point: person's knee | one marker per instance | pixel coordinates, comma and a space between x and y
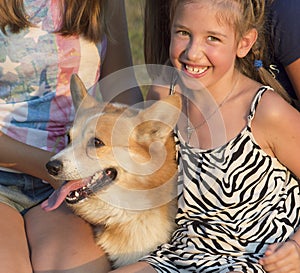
14, 252
60, 240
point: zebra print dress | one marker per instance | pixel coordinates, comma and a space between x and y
234, 201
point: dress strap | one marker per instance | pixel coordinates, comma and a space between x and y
256, 100
174, 79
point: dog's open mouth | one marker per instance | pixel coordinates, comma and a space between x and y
77, 190
94, 184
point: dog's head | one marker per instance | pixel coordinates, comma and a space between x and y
114, 144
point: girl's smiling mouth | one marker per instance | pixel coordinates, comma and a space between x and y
194, 70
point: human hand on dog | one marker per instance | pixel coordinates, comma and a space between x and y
282, 258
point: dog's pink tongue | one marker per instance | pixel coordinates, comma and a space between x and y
59, 195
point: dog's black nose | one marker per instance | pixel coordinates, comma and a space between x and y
54, 167
111, 173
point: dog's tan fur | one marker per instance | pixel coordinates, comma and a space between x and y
135, 212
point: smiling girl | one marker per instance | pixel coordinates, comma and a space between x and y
238, 205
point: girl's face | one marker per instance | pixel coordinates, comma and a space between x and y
202, 47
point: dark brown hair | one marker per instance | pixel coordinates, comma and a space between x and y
157, 22
79, 17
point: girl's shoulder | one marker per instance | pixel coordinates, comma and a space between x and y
274, 124
275, 117
272, 107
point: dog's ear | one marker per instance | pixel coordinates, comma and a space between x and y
157, 121
80, 96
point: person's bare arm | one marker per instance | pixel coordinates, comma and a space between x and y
24, 158
279, 123
278, 126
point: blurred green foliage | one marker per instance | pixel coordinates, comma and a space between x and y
135, 18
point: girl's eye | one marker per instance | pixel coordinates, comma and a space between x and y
183, 33
213, 39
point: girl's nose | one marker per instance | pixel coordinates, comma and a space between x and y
194, 51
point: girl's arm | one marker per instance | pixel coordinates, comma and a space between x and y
278, 124
26, 159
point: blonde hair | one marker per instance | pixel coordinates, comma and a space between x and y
79, 17
245, 15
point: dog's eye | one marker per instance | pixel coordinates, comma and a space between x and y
96, 142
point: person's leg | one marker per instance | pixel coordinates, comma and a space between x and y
140, 267
62, 242
14, 253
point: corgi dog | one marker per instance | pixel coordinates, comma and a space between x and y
120, 173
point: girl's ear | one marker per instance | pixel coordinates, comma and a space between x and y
246, 43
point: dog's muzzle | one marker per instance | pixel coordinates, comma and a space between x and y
77, 190
96, 183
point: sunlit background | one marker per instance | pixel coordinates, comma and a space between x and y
135, 17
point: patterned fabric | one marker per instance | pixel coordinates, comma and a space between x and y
234, 201
35, 69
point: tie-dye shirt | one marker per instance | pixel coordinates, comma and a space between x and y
35, 69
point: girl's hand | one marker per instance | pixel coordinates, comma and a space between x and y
282, 258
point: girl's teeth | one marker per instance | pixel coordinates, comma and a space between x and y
195, 70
